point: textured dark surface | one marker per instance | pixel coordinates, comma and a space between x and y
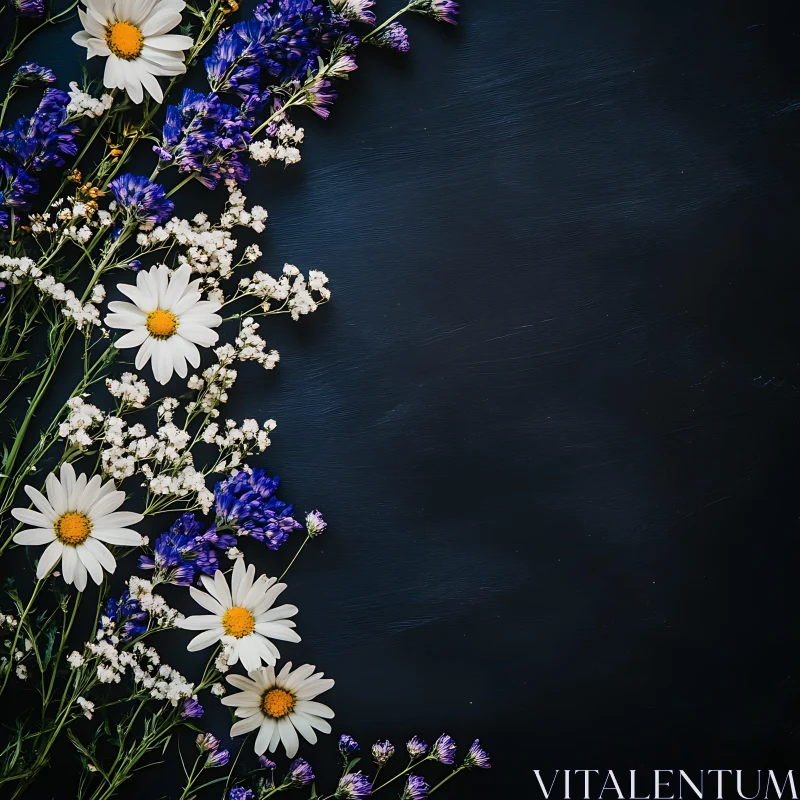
551, 414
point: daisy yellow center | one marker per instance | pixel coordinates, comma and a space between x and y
238, 622
73, 528
161, 324
124, 40
277, 703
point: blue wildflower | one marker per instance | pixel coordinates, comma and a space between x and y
184, 551
31, 73
19, 189
240, 793
300, 773
444, 749
191, 709
394, 37
382, 752
416, 747
319, 96
126, 616
34, 9
416, 788
43, 139
144, 201
348, 746
247, 503
265, 763
477, 757
354, 786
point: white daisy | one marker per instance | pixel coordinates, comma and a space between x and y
167, 320
74, 520
242, 616
132, 35
280, 705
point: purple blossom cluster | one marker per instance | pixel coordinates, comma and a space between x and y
247, 502
245, 505
142, 200
128, 618
33, 145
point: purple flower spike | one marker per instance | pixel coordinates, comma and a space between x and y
33, 9
266, 763
444, 749
219, 758
477, 757
395, 37
240, 793
416, 788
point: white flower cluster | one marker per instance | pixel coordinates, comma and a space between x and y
208, 248
87, 706
291, 290
129, 390
155, 605
82, 416
16, 270
283, 147
161, 681
82, 104
8, 621
83, 315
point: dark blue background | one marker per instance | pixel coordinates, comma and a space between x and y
551, 414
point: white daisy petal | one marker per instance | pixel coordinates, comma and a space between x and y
90, 562
40, 501
203, 640
69, 562
206, 601
31, 517
245, 725
121, 536
201, 622
101, 553
50, 557
35, 536
288, 736
264, 734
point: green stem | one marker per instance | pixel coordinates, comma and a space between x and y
444, 781
299, 550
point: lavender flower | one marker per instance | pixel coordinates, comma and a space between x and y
348, 746
247, 503
416, 747
444, 749
444, 11
31, 73
144, 201
266, 763
354, 786
355, 10
394, 37
217, 758
477, 757
315, 525
416, 788
300, 773
206, 742
191, 709
240, 793
382, 752
34, 9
